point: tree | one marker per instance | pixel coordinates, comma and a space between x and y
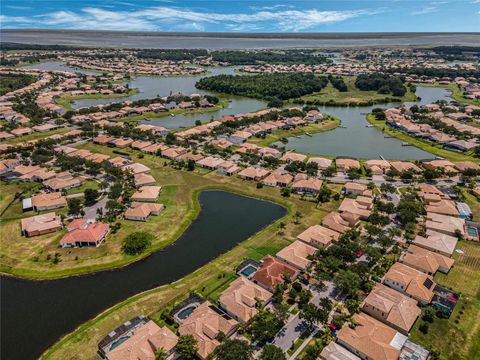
347, 281
187, 347
265, 326
233, 350
74, 206
275, 103
137, 242
428, 314
91, 195
313, 314
272, 352
324, 194
160, 354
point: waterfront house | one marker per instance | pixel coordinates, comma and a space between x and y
272, 273
308, 186
84, 233
140, 211
240, 299
253, 173
297, 254
391, 307
322, 163
345, 164
144, 343
278, 178
291, 156
147, 193
41, 224
205, 324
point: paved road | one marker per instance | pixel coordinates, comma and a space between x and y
91, 211
296, 326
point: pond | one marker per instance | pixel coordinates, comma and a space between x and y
37, 313
353, 139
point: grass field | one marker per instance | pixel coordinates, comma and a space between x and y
352, 96
36, 135
298, 131
65, 101
437, 150
459, 336
89, 184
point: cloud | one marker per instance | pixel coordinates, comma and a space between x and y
16, 7
425, 10
168, 18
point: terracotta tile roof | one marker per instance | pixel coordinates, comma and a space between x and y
434, 241
144, 179
41, 223
415, 283
371, 338
240, 298
205, 323
136, 168
147, 193
54, 199
334, 351
278, 178
271, 272
445, 224
297, 254
319, 236
391, 306
340, 222
144, 343
354, 207
141, 211
86, 232
426, 260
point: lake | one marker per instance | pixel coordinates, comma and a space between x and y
356, 140
35, 314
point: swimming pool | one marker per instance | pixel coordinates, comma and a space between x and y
184, 313
118, 342
472, 231
248, 270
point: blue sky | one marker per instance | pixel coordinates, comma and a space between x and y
244, 15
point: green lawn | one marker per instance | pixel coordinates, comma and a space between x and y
459, 336
437, 150
353, 96
65, 101
88, 184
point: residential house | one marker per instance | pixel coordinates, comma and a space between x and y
140, 211
370, 339
334, 351
253, 173
425, 260
278, 178
205, 324
340, 222
437, 242
309, 186
391, 307
240, 299
272, 273
148, 193
41, 224
297, 254
48, 201
319, 236
84, 233
410, 281
145, 343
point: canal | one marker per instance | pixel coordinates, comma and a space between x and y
34, 314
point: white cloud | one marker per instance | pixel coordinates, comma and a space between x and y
166, 18
425, 10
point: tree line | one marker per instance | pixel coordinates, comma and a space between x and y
271, 57
382, 83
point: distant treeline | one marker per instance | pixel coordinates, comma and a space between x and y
16, 46
270, 57
172, 54
382, 83
456, 50
265, 86
14, 81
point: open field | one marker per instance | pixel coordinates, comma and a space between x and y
65, 101
279, 134
459, 336
31, 257
89, 184
437, 150
353, 96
